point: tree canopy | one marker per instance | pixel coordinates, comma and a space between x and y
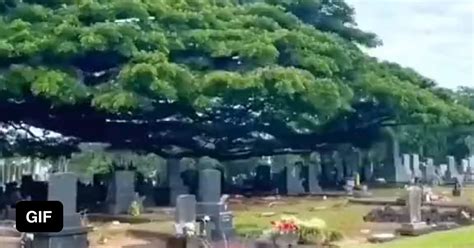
220, 78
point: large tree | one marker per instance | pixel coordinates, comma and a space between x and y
222, 78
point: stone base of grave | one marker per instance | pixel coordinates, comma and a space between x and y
414, 229
69, 237
457, 192
222, 221
72, 235
361, 194
443, 226
381, 238
9, 237
10, 213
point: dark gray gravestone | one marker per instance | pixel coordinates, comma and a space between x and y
175, 182
63, 187
121, 192
209, 185
314, 169
338, 163
327, 169
263, 178
294, 184
393, 169
352, 161
368, 170
221, 220
185, 209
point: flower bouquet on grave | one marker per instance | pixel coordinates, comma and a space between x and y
285, 233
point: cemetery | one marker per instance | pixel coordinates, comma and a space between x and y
122, 206
230, 123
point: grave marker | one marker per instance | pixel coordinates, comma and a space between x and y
416, 166
452, 172
185, 214
121, 192
314, 169
63, 187
294, 184
415, 226
430, 172
175, 182
210, 204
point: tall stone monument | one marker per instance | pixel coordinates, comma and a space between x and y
416, 226
416, 166
175, 182
63, 187
120, 192
314, 169
210, 204
452, 172
294, 185
393, 168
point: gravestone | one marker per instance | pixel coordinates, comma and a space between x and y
314, 169
452, 172
339, 167
416, 166
209, 185
294, 184
327, 169
367, 170
121, 192
63, 187
470, 169
443, 170
414, 201
465, 165
471, 162
401, 166
406, 161
149, 194
185, 213
393, 169
430, 172
210, 204
175, 182
352, 162
263, 178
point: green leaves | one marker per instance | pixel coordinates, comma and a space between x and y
116, 101
294, 64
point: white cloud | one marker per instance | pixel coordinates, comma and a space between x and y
435, 37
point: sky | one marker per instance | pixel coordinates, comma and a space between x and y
435, 37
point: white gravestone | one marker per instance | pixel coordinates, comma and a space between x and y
416, 165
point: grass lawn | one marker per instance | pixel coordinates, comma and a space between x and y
347, 218
459, 238
338, 214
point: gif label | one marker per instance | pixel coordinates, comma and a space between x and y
39, 216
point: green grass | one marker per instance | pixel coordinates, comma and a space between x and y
336, 213
459, 238
346, 218
340, 216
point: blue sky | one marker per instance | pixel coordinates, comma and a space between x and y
435, 37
